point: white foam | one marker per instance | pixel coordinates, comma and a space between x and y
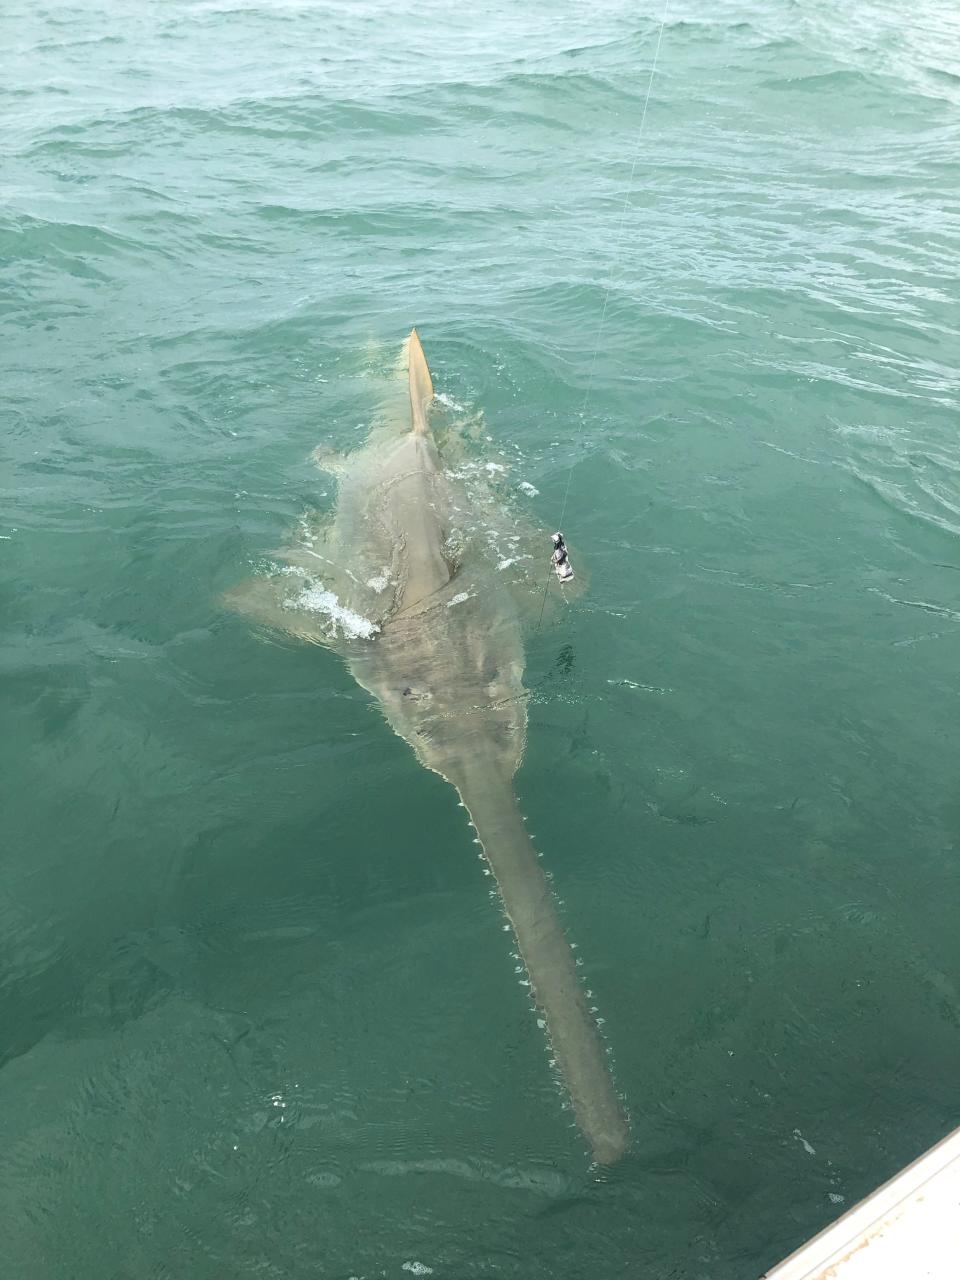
493, 467
441, 397
632, 684
380, 581
417, 1268
528, 488
811, 1151
316, 599
458, 599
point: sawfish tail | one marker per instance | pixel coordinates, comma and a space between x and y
549, 961
421, 384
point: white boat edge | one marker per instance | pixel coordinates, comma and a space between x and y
908, 1229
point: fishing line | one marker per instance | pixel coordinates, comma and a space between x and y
607, 290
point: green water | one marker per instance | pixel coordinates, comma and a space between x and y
258, 1015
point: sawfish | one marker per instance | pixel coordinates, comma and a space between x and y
403, 584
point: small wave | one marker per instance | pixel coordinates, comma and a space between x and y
75, 246
817, 82
556, 100
896, 496
925, 605
943, 75
64, 46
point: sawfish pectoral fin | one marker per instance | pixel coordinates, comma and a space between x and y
316, 556
307, 591
269, 601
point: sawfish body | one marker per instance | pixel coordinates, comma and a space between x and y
403, 585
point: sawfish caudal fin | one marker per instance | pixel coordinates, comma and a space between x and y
548, 959
421, 384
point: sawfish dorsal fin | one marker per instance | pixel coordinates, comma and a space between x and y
421, 384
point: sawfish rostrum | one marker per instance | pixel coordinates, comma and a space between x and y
403, 586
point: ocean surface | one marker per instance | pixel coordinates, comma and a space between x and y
258, 1014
